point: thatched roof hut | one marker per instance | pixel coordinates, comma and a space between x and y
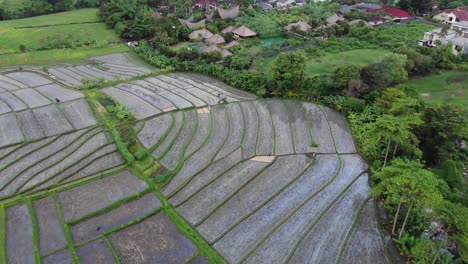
196, 25
300, 25
216, 39
224, 53
232, 44
204, 33
209, 16
244, 32
334, 19
229, 13
228, 29
184, 21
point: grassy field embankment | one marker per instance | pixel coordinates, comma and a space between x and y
65, 36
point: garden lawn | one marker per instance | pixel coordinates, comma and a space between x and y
76, 16
54, 30
57, 56
447, 87
327, 63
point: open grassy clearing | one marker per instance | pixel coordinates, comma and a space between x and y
446, 87
84, 15
327, 63
244, 178
52, 31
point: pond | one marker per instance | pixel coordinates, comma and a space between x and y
268, 42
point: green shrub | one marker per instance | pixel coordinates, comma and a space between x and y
121, 146
22, 48
451, 175
353, 104
164, 177
141, 154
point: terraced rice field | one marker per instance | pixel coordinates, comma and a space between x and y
260, 181
119, 66
247, 181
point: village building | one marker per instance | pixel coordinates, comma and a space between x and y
215, 39
229, 13
450, 16
457, 36
332, 20
244, 32
303, 26
202, 33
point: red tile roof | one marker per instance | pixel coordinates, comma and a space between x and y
461, 15
392, 11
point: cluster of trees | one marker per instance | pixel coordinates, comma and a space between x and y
42, 7
418, 182
444, 4
414, 150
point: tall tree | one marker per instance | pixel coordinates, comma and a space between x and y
444, 127
405, 184
288, 72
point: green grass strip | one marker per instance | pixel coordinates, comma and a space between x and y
66, 231
317, 219
3, 235
112, 249
109, 207
176, 136
35, 226
163, 137
351, 230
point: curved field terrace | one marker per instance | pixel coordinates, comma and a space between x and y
255, 181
